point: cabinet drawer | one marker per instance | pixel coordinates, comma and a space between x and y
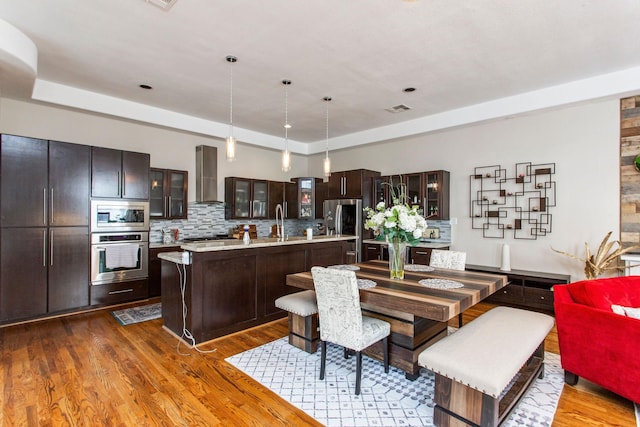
119, 292
371, 252
512, 294
538, 298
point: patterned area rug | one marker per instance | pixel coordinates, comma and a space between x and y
385, 400
139, 314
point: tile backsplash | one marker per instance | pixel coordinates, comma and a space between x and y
208, 219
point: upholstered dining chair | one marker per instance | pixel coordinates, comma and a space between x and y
341, 319
453, 260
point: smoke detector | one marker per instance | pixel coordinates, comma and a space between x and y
398, 108
162, 4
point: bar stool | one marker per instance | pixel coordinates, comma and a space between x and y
303, 319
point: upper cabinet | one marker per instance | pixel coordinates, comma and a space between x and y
168, 191
44, 183
245, 198
119, 174
429, 190
284, 194
305, 196
437, 188
353, 184
413, 187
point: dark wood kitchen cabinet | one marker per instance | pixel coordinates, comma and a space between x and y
353, 184
68, 268
413, 184
44, 183
436, 185
245, 198
372, 251
23, 273
119, 174
24, 185
168, 191
44, 205
155, 268
276, 196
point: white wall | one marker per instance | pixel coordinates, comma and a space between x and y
583, 141
168, 148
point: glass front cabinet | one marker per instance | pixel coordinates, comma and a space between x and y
306, 197
167, 194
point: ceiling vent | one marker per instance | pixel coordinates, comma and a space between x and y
398, 108
162, 4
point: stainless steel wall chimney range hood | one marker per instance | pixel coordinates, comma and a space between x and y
207, 174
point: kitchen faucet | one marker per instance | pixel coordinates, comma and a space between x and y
280, 228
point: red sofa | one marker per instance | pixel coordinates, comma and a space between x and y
596, 343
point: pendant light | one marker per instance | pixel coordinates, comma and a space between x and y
286, 156
231, 141
327, 161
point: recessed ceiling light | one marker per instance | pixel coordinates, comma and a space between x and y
146, 86
409, 89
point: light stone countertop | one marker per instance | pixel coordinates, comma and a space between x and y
175, 257
428, 245
223, 245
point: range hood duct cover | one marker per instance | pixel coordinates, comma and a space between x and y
206, 174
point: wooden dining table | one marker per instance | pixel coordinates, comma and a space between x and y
418, 314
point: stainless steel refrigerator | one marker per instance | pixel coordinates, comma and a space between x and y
344, 217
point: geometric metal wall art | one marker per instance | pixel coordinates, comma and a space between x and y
519, 203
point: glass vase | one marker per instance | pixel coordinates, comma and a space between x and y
397, 258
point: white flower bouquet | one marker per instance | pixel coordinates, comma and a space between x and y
400, 222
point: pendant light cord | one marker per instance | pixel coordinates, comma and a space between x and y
231, 99
327, 99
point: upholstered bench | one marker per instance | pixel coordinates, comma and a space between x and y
303, 319
484, 368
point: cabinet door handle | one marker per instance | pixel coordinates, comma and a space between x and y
169, 213
124, 190
120, 292
119, 183
421, 253
51, 203
51, 248
44, 248
44, 206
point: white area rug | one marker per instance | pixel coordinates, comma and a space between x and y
385, 400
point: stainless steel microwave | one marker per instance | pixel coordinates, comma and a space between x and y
119, 215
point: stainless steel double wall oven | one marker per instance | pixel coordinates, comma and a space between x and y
119, 241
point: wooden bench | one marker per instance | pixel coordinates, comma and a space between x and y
483, 369
303, 319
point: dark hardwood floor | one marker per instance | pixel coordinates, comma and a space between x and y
88, 370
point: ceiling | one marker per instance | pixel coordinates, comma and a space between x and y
469, 60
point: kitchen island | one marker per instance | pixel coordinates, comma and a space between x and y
227, 286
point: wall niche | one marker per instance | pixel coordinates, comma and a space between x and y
519, 204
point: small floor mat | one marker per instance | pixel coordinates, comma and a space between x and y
139, 314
